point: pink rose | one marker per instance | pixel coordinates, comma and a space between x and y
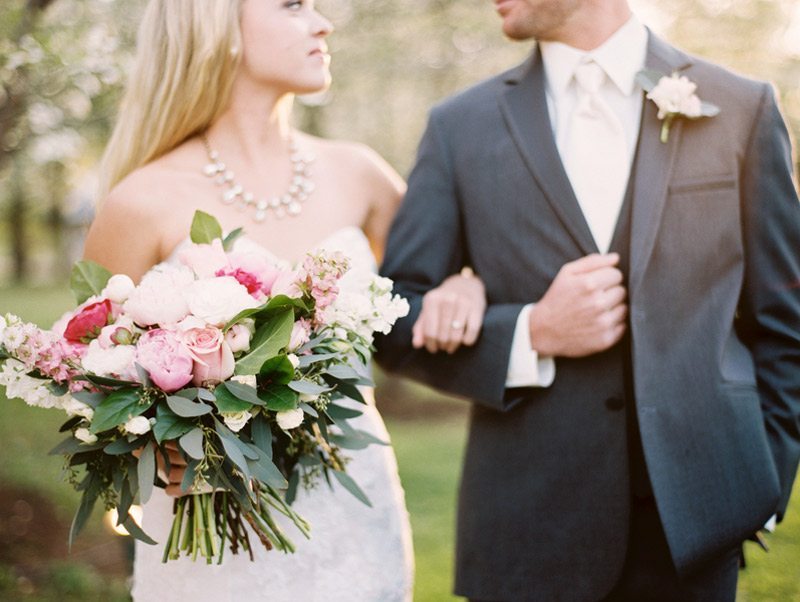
88, 322
165, 358
213, 367
202, 340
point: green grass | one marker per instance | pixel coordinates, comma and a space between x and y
429, 452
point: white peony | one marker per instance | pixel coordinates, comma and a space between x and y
137, 426
160, 298
83, 434
115, 361
289, 419
236, 420
217, 300
118, 288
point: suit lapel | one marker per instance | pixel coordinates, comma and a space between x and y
654, 164
524, 106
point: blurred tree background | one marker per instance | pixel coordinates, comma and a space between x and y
62, 66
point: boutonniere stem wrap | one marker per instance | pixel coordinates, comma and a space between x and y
675, 97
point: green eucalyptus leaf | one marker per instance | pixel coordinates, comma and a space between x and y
205, 228
648, 79
136, 531
262, 434
87, 279
265, 471
169, 425
186, 408
308, 388
243, 392
348, 483
146, 471
192, 443
230, 239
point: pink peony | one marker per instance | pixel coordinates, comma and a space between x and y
204, 260
165, 358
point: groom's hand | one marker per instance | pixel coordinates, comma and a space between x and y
583, 312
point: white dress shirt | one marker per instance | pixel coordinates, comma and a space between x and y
622, 56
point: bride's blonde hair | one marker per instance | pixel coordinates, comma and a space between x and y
188, 52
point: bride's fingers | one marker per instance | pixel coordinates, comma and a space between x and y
418, 332
457, 324
474, 323
448, 307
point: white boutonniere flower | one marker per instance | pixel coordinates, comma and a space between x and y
674, 96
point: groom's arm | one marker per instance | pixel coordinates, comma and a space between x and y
425, 246
770, 306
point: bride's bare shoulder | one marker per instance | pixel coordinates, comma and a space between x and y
160, 184
356, 159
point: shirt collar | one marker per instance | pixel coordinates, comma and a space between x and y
621, 56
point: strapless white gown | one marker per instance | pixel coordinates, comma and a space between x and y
355, 554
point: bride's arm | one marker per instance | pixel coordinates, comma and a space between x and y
452, 313
124, 236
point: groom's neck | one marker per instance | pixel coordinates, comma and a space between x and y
591, 25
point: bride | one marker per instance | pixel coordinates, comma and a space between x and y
205, 125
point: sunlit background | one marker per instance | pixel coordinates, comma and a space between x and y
62, 66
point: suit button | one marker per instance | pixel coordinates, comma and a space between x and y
615, 403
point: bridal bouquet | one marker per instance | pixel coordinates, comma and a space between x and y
232, 361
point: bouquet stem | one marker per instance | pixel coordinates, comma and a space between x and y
204, 524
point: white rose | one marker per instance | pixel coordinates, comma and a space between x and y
675, 95
118, 288
73, 407
289, 419
137, 426
114, 361
217, 300
294, 360
83, 434
246, 379
236, 420
160, 297
239, 335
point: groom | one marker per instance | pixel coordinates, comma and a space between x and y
636, 386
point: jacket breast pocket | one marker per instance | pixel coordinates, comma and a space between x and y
703, 184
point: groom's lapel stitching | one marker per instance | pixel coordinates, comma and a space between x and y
524, 107
654, 164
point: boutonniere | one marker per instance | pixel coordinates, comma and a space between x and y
674, 96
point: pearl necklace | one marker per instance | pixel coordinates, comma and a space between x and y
289, 203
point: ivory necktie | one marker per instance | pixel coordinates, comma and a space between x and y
595, 155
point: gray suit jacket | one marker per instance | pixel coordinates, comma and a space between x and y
714, 293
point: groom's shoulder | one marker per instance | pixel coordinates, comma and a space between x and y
720, 85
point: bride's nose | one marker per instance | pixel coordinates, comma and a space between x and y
321, 26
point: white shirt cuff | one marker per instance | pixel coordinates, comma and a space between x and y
525, 367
